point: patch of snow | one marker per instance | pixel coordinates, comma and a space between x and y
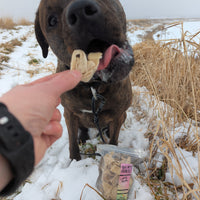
17, 33
175, 32
187, 168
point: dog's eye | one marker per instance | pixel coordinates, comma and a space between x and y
52, 21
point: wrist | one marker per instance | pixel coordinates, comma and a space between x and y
20, 113
13, 108
5, 172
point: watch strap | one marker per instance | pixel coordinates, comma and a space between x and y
16, 145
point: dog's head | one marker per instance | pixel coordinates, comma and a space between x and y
89, 25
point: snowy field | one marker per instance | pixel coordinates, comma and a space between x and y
59, 178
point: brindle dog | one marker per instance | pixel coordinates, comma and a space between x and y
92, 26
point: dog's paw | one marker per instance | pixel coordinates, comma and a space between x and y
87, 66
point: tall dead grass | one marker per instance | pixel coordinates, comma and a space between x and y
24, 22
8, 47
9, 23
171, 73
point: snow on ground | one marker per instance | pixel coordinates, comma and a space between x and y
18, 32
57, 177
137, 32
134, 37
175, 32
169, 31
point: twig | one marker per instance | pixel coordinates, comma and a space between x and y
87, 185
5, 65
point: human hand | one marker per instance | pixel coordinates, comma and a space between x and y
34, 105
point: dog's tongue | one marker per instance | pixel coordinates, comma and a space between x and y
111, 52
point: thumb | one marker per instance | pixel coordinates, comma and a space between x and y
60, 82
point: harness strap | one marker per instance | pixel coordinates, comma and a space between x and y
97, 97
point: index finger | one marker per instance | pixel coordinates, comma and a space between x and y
62, 82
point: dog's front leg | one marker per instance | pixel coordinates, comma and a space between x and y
114, 129
72, 126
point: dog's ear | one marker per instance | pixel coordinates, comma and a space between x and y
40, 37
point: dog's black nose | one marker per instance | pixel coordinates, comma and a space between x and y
80, 13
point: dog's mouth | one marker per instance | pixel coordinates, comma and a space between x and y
110, 53
116, 61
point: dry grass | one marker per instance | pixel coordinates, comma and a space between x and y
171, 73
24, 22
9, 23
4, 59
8, 47
50, 67
33, 61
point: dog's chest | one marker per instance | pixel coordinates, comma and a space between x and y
81, 99
85, 103
111, 101
96, 104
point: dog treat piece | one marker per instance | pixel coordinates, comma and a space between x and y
109, 173
95, 57
86, 66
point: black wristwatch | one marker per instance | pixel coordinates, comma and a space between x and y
16, 145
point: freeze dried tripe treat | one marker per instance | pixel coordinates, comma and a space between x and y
109, 173
87, 67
